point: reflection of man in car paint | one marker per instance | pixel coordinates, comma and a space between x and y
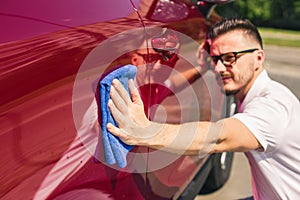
152, 75
76, 174
157, 82
159, 78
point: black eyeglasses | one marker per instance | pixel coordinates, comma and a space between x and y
230, 57
154, 57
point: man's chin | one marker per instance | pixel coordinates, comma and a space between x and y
230, 92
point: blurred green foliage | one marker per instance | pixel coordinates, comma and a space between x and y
280, 37
269, 13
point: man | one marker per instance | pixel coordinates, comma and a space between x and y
158, 79
266, 127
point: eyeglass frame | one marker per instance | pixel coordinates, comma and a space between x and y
215, 59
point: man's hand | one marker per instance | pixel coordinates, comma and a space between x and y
134, 127
202, 56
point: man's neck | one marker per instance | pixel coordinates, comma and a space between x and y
240, 96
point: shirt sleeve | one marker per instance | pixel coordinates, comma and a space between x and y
266, 118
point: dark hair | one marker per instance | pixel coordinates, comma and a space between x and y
227, 25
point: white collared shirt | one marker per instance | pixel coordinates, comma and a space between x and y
272, 114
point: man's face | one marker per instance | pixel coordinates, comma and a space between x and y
236, 71
152, 68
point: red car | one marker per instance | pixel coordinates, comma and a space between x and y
53, 54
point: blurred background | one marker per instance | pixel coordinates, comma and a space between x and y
283, 14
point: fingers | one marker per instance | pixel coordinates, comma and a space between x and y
117, 102
120, 101
114, 130
118, 116
121, 91
120, 134
135, 95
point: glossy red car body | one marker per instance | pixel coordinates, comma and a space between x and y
43, 46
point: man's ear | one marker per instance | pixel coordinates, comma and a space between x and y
260, 58
134, 58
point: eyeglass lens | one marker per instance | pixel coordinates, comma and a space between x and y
226, 59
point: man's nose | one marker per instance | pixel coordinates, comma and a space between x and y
219, 66
157, 64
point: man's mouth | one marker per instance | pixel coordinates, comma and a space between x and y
225, 78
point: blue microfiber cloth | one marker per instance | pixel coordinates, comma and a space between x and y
115, 150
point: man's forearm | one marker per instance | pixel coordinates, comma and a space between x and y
194, 138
